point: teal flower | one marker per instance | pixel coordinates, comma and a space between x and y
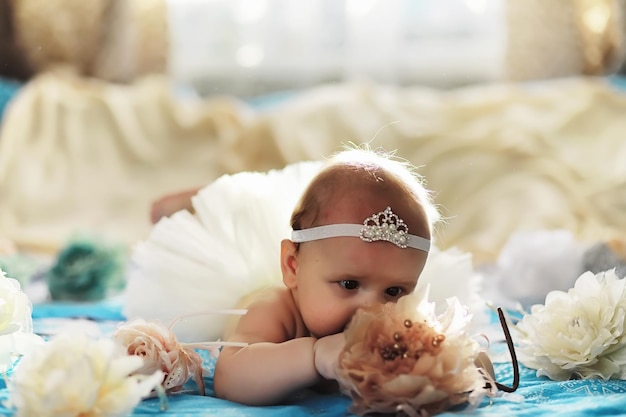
86, 270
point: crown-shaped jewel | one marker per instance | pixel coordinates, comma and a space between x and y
386, 226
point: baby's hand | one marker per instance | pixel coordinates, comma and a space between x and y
326, 353
171, 203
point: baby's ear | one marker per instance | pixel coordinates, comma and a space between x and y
289, 262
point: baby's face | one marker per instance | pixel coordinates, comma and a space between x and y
337, 276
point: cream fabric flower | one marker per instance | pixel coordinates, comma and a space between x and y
579, 333
16, 326
402, 357
73, 375
160, 350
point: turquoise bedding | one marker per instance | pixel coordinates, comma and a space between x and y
535, 396
8, 89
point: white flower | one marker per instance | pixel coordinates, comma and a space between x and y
402, 357
16, 325
579, 333
73, 375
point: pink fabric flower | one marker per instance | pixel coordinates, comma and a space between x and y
401, 358
161, 351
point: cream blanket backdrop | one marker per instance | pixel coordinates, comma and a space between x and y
84, 155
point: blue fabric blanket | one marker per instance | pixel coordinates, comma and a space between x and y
8, 89
535, 396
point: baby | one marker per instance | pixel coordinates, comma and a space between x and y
361, 235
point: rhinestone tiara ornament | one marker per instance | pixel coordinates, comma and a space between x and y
385, 226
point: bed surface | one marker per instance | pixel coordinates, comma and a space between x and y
535, 396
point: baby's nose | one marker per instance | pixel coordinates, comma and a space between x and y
372, 299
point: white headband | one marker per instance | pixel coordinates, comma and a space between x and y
380, 226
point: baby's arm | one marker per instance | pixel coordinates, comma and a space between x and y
171, 203
277, 361
265, 373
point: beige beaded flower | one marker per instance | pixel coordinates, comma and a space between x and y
160, 350
402, 358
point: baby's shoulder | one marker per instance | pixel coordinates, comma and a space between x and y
271, 311
273, 300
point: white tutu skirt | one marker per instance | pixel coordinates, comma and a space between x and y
195, 265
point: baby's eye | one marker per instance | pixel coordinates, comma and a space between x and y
349, 284
394, 291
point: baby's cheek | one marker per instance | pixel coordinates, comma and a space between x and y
328, 321
340, 319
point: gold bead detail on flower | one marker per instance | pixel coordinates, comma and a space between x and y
437, 340
391, 352
416, 339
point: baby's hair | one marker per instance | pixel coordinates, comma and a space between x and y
373, 168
